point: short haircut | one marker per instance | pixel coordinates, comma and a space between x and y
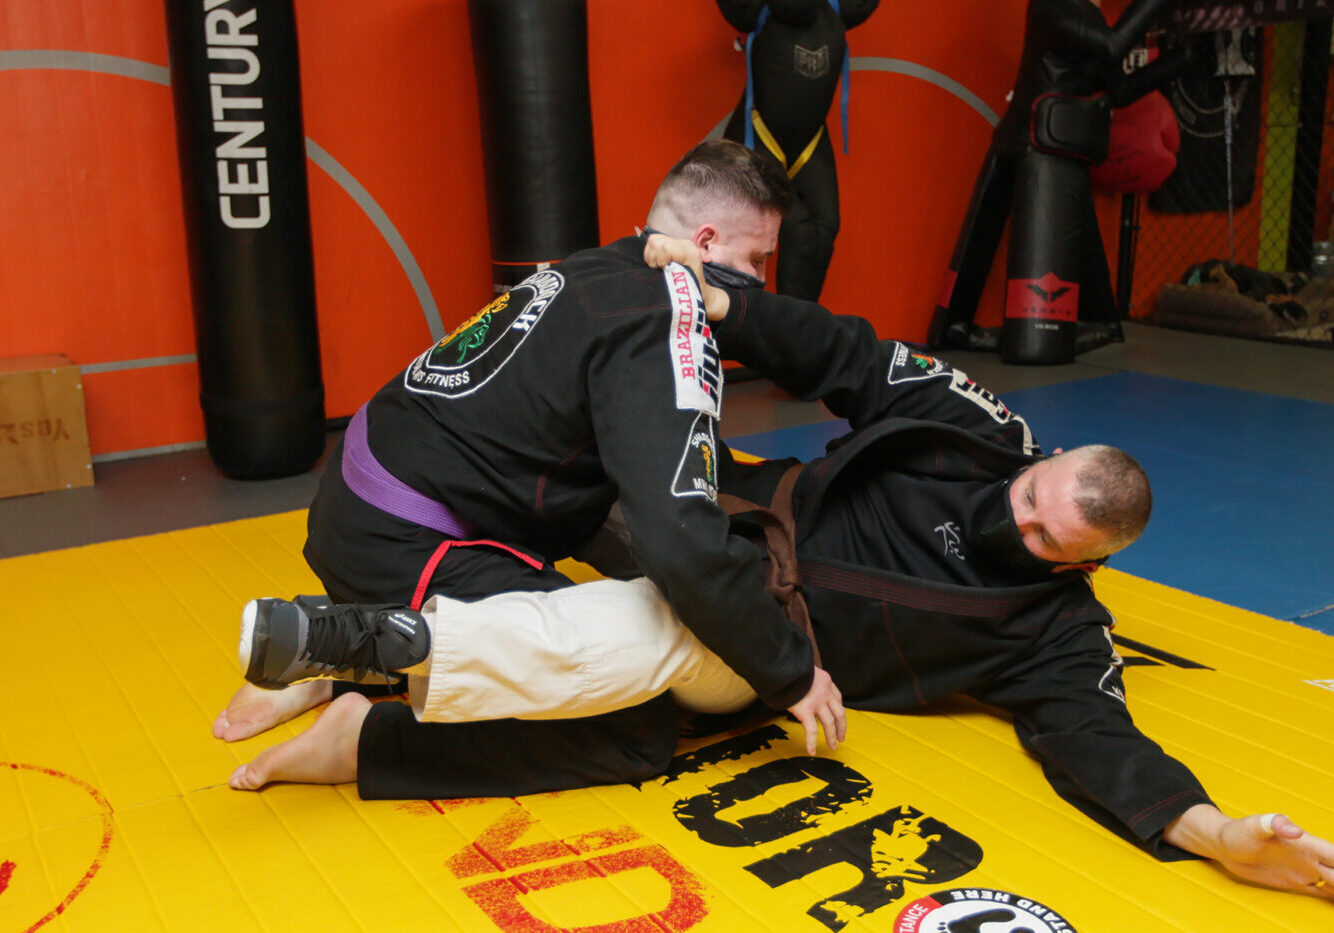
1112, 493
718, 175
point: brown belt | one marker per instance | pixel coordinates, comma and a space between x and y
779, 525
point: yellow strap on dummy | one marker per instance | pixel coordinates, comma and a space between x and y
772, 145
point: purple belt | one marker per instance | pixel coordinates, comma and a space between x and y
373, 484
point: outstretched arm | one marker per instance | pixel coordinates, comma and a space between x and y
839, 359
1271, 849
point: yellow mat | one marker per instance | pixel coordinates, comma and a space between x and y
116, 814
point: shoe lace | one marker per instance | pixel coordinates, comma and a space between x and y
344, 642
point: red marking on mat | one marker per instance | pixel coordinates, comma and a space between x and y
108, 830
446, 806
439, 807
911, 916
494, 849
499, 898
604, 839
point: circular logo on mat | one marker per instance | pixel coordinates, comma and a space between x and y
49, 799
968, 910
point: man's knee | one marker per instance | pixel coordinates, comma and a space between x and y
647, 740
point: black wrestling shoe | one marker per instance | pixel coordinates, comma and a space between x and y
285, 641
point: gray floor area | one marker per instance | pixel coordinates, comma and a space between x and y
183, 489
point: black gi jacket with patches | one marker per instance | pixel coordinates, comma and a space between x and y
1041, 651
537, 414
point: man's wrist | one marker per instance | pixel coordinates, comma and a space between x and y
717, 302
1197, 830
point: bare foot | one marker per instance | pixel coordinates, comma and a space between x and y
326, 753
253, 709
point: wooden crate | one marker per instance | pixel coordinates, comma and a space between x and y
43, 430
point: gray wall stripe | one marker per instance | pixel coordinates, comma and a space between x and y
930, 76
147, 452
13, 60
145, 363
377, 216
912, 70
16, 59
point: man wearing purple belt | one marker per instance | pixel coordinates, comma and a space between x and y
501, 450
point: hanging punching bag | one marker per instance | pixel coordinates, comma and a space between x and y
237, 99
531, 58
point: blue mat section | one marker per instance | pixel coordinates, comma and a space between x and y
1243, 483
805, 441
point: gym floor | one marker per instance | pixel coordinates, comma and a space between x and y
117, 814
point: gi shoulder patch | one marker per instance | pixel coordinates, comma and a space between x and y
697, 472
473, 352
907, 365
694, 356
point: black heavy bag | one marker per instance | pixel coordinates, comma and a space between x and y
1043, 267
237, 97
531, 58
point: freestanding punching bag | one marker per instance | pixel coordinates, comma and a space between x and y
1036, 172
531, 58
237, 99
1046, 268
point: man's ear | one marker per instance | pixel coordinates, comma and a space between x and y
704, 237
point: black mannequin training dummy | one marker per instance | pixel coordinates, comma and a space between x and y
796, 50
1036, 172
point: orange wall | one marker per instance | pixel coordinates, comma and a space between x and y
93, 247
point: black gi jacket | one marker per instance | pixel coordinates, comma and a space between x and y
1041, 651
594, 381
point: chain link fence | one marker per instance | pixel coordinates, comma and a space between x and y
1237, 240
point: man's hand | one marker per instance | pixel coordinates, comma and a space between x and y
660, 249
1271, 849
822, 703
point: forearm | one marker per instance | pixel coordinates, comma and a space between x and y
1268, 849
807, 351
1198, 830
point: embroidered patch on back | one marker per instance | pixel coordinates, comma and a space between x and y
473, 352
694, 352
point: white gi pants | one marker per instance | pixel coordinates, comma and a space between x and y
579, 651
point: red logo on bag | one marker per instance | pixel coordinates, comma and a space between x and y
1048, 298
